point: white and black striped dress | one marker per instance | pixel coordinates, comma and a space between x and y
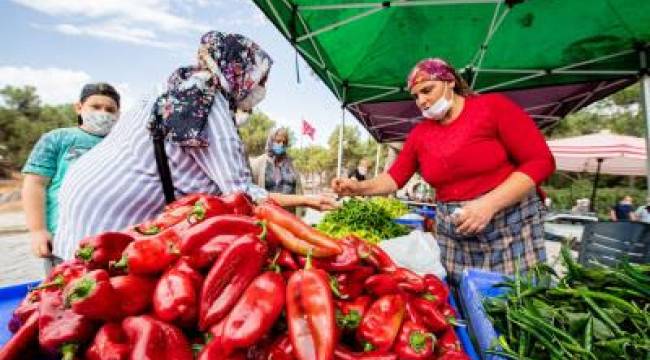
116, 184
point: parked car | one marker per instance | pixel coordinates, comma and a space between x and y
565, 226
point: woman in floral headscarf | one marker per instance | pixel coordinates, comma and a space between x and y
485, 158
117, 183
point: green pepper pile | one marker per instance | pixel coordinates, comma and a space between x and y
589, 313
370, 220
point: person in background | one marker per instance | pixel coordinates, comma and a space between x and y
97, 111
360, 173
624, 210
581, 207
274, 170
643, 212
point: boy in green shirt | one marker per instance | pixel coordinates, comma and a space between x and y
97, 111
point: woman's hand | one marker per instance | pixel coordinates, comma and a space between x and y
41, 243
474, 217
345, 187
321, 202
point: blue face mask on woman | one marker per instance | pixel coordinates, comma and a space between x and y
278, 149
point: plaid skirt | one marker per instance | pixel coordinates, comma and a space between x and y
514, 234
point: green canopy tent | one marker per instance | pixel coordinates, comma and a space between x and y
363, 49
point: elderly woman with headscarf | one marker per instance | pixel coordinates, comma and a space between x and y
273, 170
485, 158
117, 183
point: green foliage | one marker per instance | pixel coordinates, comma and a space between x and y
368, 220
23, 120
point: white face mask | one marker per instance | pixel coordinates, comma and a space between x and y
440, 108
256, 95
98, 122
241, 118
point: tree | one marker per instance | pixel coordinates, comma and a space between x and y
23, 120
255, 132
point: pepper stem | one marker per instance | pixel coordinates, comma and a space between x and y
308, 263
367, 346
273, 266
265, 230
198, 213
418, 341
85, 253
58, 281
81, 290
153, 230
69, 351
123, 264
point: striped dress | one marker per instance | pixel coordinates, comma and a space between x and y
116, 184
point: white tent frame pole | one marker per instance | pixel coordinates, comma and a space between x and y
494, 25
339, 162
377, 159
338, 24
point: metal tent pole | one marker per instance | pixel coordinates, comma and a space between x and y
592, 204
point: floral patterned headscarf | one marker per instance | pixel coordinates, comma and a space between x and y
237, 66
429, 69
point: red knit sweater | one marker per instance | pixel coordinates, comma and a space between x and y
491, 138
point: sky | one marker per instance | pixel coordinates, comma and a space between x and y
59, 45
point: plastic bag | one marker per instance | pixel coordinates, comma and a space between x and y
417, 251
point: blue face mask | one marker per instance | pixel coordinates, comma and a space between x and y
278, 149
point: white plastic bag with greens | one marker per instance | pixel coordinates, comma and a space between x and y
417, 251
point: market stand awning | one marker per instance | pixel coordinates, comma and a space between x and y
363, 50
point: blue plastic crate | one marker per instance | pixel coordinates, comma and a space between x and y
463, 333
414, 224
10, 297
475, 286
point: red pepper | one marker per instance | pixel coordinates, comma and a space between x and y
343, 353
286, 261
349, 285
166, 220
61, 330
22, 340
200, 234
453, 355
101, 249
436, 289
187, 200
110, 343
382, 284
277, 215
448, 342
432, 318
414, 342
297, 245
24, 311
448, 312
152, 339
135, 293
176, 297
214, 350
412, 313
150, 255
347, 260
376, 256
62, 275
281, 349
350, 313
310, 314
407, 280
229, 277
205, 256
92, 295
239, 203
255, 312
382, 322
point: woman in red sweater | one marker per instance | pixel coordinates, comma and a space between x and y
485, 158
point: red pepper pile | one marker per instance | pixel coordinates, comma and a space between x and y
218, 278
